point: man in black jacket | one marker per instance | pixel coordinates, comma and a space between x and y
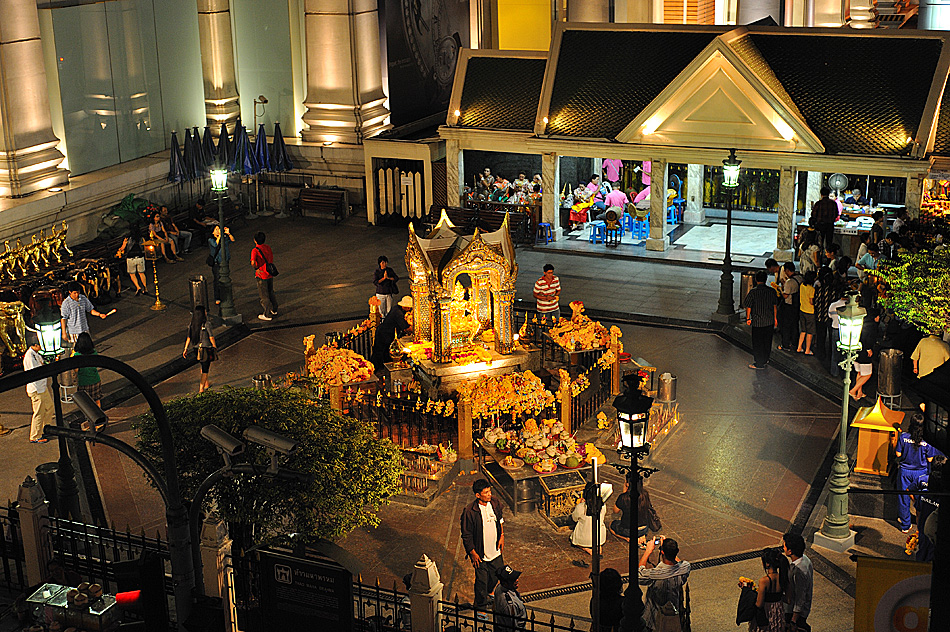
484, 539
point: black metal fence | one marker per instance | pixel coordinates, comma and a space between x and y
586, 403
12, 559
361, 343
457, 617
407, 420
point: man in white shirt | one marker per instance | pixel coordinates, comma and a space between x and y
38, 392
801, 578
484, 538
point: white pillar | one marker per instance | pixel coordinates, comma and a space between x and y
829, 13
749, 11
29, 159
453, 173
344, 78
551, 192
695, 182
786, 215
217, 64
33, 511
812, 190
658, 239
425, 593
913, 191
588, 11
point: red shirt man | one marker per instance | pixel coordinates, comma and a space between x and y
547, 289
261, 255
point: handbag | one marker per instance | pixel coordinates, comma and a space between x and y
207, 354
268, 266
654, 520
745, 609
209, 260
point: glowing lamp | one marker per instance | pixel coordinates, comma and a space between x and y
151, 252
850, 321
633, 430
633, 415
219, 179
50, 335
730, 170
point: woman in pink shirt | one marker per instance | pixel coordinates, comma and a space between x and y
594, 187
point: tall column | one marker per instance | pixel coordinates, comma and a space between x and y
695, 181
29, 159
829, 13
786, 215
344, 78
442, 330
812, 190
913, 191
454, 173
749, 11
504, 334
217, 64
551, 192
588, 11
658, 239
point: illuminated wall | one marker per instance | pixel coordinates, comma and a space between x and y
524, 24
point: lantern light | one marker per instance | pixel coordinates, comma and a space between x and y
850, 321
219, 179
633, 429
730, 170
633, 416
151, 252
50, 336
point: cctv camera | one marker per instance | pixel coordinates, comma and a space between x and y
225, 443
270, 440
89, 409
262, 99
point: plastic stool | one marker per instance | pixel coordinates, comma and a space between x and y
628, 224
545, 233
612, 236
598, 232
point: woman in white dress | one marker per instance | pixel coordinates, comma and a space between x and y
582, 537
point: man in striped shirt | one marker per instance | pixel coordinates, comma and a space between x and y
761, 312
547, 289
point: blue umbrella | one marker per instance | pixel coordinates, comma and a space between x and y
176, 170
205, 151
208, 151
243, 160
189, 157
225, 152
281, 161
260, 150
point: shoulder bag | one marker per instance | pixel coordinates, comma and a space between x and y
268, 266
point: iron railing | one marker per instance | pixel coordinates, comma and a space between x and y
459, 617
404, 420
589, 401
12, 559
361, 343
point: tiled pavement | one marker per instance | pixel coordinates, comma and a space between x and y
733, 474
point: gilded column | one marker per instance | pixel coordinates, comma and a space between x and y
453, 173
504, 336
442, 329
658, 239
786, 215
217, 64
695, 181
29, 159
551, 192
344, 78
422, 312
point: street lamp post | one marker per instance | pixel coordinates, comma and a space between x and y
730, 180
633, 416
835, 531
219, 184
49, 331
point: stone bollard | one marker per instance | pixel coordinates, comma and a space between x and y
215, 548
33, 511
425, 594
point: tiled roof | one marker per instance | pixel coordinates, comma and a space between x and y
745, 48
605, 78
857, 94
501, 93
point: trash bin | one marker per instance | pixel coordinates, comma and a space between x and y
746, 283
262, 381
889, 367
666, 390
46, 477
198, 289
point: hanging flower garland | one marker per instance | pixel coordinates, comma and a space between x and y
511, 394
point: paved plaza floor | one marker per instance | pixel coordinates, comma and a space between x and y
734, 475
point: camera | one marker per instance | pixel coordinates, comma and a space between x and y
270, 440
657, 541
225, 443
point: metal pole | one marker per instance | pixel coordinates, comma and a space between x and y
633, 601
726, 304
595, 556
224, 270
179, 546
67, 489
837, 521
940, 576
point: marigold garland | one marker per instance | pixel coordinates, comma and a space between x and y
513, 394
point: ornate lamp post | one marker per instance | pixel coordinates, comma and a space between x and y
219, 184
835, 530
633, 415
151, 253
730, 180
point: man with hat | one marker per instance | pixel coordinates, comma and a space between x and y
509, 611
394, 324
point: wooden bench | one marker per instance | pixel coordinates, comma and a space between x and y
322, 203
